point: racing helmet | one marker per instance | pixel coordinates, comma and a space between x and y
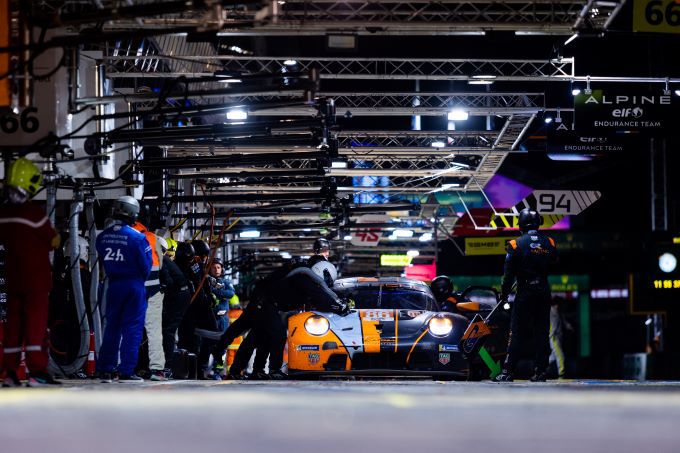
441, 287
327, 271
322, 245
126, 208
201, 247
529, 220
185, 252
24, 175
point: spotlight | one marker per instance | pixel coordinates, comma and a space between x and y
548, 119
237, 115
458, 115
575, 91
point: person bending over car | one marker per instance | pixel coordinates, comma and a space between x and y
285, 290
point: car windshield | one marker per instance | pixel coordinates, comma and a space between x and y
390, 297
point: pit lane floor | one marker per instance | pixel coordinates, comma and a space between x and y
342, 416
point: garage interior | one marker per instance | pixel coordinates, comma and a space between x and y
410, 134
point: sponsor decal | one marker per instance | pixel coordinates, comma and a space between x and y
313, 358
378, 315
444, 358
308, 347
448, 348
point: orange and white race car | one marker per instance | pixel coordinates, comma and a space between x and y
395, 328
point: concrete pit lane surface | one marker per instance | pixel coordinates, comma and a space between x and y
342, 416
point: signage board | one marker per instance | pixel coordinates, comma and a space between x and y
369, 236
568, 141
656, 16
486, 246
647, 112
395, 260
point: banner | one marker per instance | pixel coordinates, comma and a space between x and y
656, 16
566, 141
649, 112
486, 246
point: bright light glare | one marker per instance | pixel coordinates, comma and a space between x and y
286, 255
237, 115
548, 119
339, 164
438, 144
317, 325
250, 234
392, 237
480, 82
575, 91
290, 62
668, 262
677, 92
401, 233
413, 253
440, 326
348, 237
425, 237
458, 115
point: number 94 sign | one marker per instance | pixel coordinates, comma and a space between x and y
660, 16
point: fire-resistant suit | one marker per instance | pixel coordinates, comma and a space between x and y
126, 257
28, 237
527, 261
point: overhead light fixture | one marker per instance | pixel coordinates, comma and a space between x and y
571, 38
290, 62
458, 115
438, 144
448, 183
348, 237
677, 92
413, 253
286, 255
339, 163
403, 233
480, 82
221, 80
307, 229
575, 91
548, 119
237, 114
249, 234
425, 237
346, 42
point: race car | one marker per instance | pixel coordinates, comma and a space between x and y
395, 328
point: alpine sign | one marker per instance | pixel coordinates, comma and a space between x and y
629, 111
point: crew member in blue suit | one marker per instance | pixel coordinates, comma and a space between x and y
127, 260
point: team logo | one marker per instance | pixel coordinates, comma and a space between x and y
313, 358
444, 358
448, 348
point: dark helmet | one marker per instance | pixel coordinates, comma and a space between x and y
201, 247
441, 287
185, 252
321, 245
529, 220
217, 261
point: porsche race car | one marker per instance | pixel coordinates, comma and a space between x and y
395, 328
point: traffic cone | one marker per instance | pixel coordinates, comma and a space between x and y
22, 371
91, 364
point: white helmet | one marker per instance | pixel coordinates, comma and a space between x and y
326, 270
126, 206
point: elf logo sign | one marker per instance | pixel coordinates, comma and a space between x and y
626, 111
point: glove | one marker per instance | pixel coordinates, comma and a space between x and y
340, 307
327, 278
212, 281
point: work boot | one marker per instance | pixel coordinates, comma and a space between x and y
158, 375
130, 378
278, 376
539, 376
11, 380
258, 376
235, 376
41, 379
505, 376
107, 378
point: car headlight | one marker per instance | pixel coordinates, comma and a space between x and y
440, 326
317, 325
